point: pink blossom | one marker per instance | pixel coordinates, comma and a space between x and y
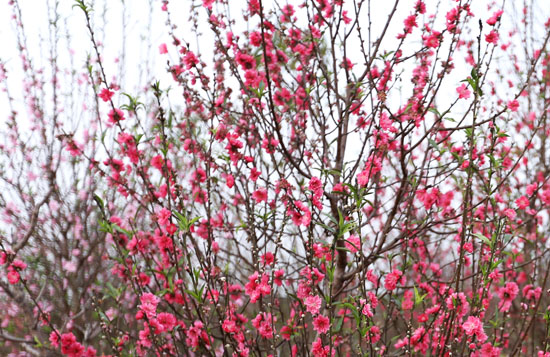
522, 202
496, 17
507, 294
268, 258
530, 189
190, 60
260, 195
54, 339
18, 264
392, 279
473, 326
513, 105
316, 186
255, 39
432, 41
492, 37
246, 61
196, 334
321, 324
264, 324
488, 350
277, 277
353, 243
166, 320
458, 303
510, 213
313, 304
163, 216
302, 216
115, 116
229, 181
149, 304
106, 94
229, 326
208, 4
530, 292
545, 196
407, 303
463, 92
257, 286
420, 7
318, 350
367, 310
13, 277
452, 18
409, 23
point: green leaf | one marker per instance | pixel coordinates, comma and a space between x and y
328, 228
82, 5
484, 239
343, 249
105, 226
418, 299
354, 311
330, 274
122, 230
472, 83
433, 143
336, 327
386, 55
99, 202
435, 111
184, 223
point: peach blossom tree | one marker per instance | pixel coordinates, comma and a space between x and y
312, 178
